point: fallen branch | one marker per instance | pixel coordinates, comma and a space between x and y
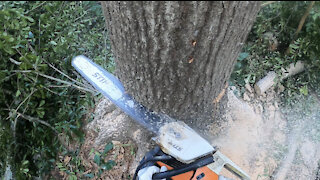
303, 19
269, 80
301, 23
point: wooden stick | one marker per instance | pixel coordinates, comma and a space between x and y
66, 82
269, 80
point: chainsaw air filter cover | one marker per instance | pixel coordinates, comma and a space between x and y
183, 143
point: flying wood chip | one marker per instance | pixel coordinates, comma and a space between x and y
194, 43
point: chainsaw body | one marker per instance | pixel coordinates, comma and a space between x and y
192, 156
183, 151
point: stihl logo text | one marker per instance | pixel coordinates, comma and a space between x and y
99, 77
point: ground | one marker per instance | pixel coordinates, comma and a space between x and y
265, 139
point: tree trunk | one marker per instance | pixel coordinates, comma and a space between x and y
176, 57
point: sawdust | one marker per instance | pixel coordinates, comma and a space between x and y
270, 144
249, 138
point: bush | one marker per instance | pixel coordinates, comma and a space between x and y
40, 93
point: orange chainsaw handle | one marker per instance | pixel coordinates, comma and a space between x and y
208, 174
196, 169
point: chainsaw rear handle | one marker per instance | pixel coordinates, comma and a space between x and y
186, 168
150, 158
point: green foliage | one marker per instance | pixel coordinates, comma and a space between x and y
40, 94
99, 159
271, 35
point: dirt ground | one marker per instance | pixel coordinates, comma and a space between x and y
265, 140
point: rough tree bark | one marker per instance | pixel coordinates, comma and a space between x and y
176, 57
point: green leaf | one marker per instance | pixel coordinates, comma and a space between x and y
40, 113
42, 102
8, 50
293, 46
304, 90
60, 165
25, 170
89, 175
18, 93
107, 148
11, 39
62, 169
97, 159
53, 43
315, 16
91, 151
108, 165
72, 177
238, 65
25, 162
29, 18
242, 56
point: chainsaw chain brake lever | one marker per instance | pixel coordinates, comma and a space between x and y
186, 168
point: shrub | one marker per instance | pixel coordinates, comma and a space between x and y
40, 93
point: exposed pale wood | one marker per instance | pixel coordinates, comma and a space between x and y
265, 83
269, 80
293, 69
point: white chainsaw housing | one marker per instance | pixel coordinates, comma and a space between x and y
182, 142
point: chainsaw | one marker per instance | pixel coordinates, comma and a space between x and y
184, 153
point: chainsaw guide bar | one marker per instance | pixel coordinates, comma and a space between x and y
112, 88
